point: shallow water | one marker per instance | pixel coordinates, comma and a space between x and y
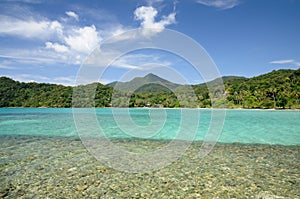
60, 167
243, 126
257, 156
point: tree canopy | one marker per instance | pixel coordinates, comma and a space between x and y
277, 89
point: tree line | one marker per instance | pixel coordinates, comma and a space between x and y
277, 89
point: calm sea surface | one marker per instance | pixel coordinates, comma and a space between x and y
273, 127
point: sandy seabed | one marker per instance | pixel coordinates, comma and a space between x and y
54, 167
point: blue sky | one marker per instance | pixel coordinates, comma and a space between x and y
47, 41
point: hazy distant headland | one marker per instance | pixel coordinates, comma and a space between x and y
278, 89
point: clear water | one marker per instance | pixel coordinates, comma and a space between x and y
242, 126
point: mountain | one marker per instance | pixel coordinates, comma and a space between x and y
141, 83
152, 88
277, 89
153, 83
224, 79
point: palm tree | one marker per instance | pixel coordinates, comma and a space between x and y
273, 91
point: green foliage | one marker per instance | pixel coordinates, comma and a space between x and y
16, 94
278, 89
137, 82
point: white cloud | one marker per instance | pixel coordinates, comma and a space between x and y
70, 40
140, 62
286, 61
57, 47
30, 78
56, 27
6, 67
70, 43
59, 40
151, 2
84, 39
221, 4
106, 81
34, 56
130, 61
147, 17
70, 48
28, 28
27, 1
72, 15
116, 31
67, 81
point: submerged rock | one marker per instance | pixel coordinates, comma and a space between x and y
62, 168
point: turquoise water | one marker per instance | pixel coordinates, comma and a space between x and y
243, 126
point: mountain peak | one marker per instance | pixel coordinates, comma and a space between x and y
140, 81
152, 78
150, 75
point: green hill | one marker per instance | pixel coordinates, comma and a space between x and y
277, 89
137, 82
152, 88
20, 94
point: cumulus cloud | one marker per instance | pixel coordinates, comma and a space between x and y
56, 27
70, 43
147, 15
72, 15
83, 40
57, 47
221, 4
286, 61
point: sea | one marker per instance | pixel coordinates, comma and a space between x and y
275, 127
60, 153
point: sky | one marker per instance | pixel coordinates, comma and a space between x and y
49, 41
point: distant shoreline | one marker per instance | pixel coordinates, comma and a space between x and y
258, 109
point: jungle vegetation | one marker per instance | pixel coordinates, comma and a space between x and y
278, 89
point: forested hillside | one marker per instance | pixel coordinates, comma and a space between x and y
20, 94
277, 89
